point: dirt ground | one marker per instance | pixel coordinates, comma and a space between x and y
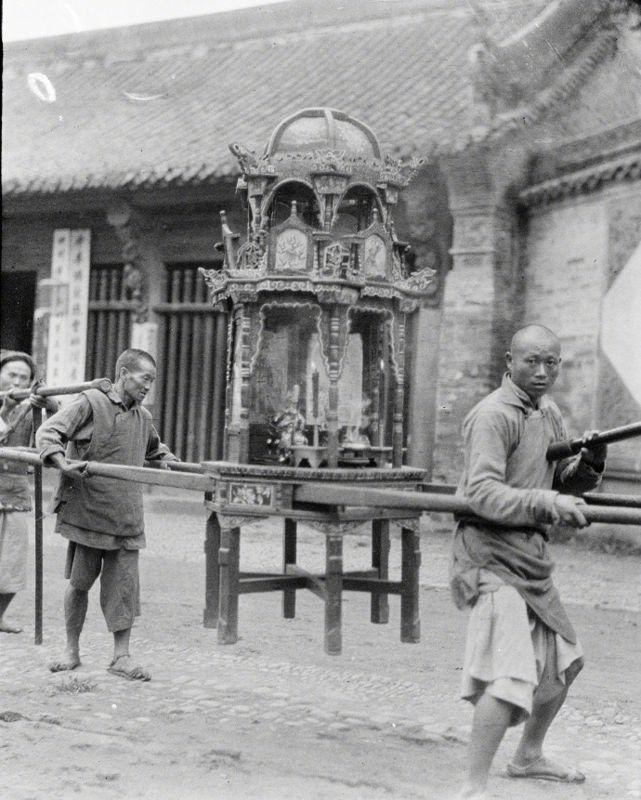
273, 716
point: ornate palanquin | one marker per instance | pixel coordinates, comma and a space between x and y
317, 292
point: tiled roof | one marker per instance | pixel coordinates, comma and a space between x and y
157, 104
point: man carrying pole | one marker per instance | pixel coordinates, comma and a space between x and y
103, 518
17, 372
522, 652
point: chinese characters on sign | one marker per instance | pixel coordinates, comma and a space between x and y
68, 321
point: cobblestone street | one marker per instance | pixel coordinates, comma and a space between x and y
273, 716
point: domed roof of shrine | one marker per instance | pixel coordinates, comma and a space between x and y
323, 129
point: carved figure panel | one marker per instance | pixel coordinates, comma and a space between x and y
328, 183
418, 282
251, 256
336, 261
374, 257
228, 523
291, 251
338, 527
251, 494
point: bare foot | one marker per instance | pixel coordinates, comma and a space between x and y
124, 667
7, 627
545, 769
69, 661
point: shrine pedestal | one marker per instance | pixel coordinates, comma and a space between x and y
247, 493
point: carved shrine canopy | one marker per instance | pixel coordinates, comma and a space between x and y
318, 292
320, 205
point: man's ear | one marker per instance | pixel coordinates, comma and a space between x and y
508, 359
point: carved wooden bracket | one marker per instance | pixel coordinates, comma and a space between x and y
127, 225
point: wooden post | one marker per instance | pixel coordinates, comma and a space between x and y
102, 356
410, 565
399, 394
334, 590
186, 331
112, 323
195, 388
289, 557
384, 381
37, 475
229, 563
172, 355
332, 397
380, 562
206, 412
212, 570
221, 387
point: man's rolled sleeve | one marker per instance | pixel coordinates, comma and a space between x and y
487, 442
576, 476
156, 450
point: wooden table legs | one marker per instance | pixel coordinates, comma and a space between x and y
229, 562
333, 592
289, 557
212, 569
410, 567
379, 612
225, 582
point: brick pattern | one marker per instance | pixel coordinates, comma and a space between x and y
480, 300
465, 360
564, 276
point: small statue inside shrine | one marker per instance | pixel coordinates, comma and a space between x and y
357, 432
287, 429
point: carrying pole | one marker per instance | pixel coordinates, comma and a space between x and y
592, 498
175, 479
54, 391
337, 494
559, 450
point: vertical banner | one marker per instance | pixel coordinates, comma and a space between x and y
69, 304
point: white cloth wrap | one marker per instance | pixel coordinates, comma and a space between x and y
507, 650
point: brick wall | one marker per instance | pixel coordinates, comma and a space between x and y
465, 356
565, 270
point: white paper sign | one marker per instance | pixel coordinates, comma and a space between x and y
70, 264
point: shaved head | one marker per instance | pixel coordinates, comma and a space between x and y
533, 360
534, 335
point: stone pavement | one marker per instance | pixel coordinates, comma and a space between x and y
273, 716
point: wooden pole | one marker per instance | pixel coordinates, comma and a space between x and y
51, 391
151, 477
37, 475
593, 498
559, 450
325, 494
337, 494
